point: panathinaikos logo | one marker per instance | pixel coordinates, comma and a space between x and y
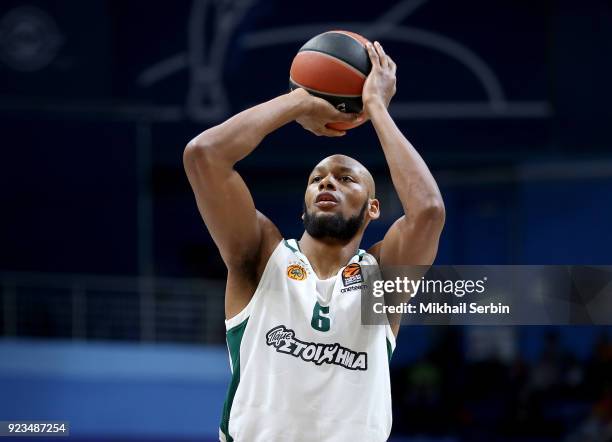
297, 272
284, 341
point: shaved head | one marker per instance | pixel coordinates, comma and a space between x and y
355, 166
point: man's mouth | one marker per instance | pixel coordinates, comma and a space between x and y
326, 199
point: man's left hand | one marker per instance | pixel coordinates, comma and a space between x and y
379, 87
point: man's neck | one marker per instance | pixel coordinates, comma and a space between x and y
327, 256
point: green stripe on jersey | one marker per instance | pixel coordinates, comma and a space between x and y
389, 350
234, 339
293, 249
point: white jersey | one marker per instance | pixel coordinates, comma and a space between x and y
304, 368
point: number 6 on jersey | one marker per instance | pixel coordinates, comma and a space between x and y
319, 320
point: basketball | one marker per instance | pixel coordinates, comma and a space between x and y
333, 66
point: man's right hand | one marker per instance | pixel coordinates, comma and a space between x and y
316, 113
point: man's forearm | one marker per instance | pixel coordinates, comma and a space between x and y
238, 136
416, 187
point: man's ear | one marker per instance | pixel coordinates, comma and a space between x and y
374, 209
302, 216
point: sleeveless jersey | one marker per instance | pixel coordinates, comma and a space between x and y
304, 368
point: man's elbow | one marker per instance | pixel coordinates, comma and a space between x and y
433, 213
197, 154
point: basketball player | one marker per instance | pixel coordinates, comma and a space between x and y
303, 366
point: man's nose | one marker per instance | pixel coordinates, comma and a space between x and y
326, 184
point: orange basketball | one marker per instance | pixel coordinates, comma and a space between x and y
333, 66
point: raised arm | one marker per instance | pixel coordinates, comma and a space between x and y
244, 236
413, 238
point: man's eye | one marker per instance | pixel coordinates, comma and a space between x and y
347, 178
316, 179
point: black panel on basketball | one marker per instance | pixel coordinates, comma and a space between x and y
342, 47
351, 104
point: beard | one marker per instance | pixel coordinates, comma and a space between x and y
333, 226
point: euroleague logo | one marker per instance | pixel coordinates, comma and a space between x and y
297, 272
352, 274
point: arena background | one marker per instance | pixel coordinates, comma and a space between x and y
111, 290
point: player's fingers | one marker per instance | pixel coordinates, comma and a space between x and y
387, 62
374, 58
363, 116
351, 118
334, 114
392, 65
327, 111
329, 132
384, 62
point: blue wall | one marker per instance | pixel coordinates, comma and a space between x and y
113, 390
